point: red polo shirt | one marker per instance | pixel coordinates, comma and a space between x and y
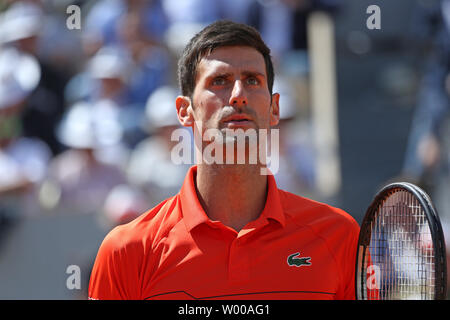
296, 249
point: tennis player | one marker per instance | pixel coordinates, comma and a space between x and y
229, 233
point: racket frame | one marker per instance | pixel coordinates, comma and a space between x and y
437, 236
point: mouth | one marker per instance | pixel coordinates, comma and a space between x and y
239, 124
238, 121
238, 118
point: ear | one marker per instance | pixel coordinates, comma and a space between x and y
275, 109
184, 111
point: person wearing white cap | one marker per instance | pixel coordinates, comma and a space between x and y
150, 166
22, 21
106, 78
21, 27
94, 131
80, 177
23, 161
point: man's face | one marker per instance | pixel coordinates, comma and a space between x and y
231, 91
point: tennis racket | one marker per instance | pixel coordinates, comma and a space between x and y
401, 248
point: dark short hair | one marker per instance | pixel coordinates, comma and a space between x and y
221, 33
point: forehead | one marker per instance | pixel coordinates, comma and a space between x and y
231, 59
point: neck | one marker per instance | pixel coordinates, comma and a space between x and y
232, 194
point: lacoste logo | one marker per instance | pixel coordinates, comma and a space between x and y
294, 260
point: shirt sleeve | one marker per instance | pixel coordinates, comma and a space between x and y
349, 265
344, 242
114, 274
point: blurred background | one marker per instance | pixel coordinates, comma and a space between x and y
87, 111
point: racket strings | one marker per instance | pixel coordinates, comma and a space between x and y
401, 251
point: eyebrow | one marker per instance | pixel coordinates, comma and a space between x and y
245, 73
220, 75
253, 73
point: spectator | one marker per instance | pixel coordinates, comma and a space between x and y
104, 15
105, 86
283, 25
151, 167
191, 11
23, 160
150, 66
21, 27
123, 204
427, 158
98, 133
80, 176
296, 172
186, 18
136, 28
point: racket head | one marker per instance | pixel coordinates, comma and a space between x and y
401, 249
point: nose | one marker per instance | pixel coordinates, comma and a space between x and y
238, 96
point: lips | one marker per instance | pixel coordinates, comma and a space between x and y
237, 118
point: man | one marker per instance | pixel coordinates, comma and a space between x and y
229, 233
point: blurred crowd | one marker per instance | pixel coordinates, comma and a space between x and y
427, 157
86, 115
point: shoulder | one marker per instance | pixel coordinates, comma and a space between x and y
142, 232
335, 234
317, 215
126, 251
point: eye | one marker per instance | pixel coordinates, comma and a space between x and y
219, 81
252, 81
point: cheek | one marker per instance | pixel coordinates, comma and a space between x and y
207, 106
261, 105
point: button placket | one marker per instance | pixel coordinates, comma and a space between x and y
239, 262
